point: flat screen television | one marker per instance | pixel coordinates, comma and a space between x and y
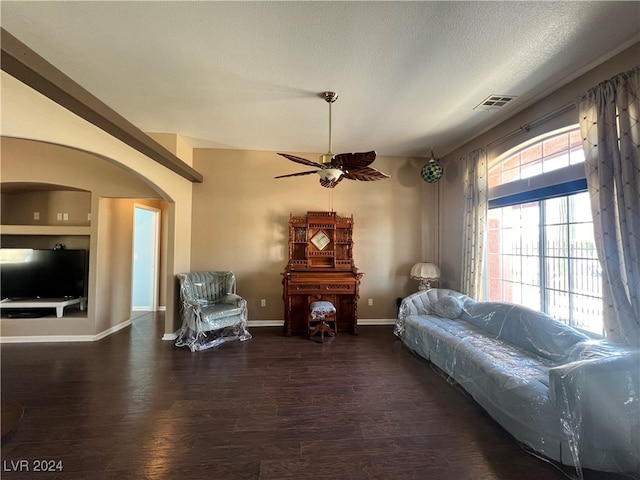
30, 273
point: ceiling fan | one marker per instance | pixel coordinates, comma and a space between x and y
333, 168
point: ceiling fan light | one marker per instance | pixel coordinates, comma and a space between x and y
331, 174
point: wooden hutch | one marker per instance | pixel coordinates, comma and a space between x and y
320, 268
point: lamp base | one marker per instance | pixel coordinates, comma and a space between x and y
424, 285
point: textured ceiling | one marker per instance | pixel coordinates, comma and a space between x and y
247, 75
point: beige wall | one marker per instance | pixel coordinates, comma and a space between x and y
241, 214
450, 187
113, 260
39, 162
19, 208
176, 144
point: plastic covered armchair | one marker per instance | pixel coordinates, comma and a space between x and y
212, 312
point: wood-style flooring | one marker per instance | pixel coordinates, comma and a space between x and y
132, 406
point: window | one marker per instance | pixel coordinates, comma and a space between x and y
554, 153
541, 251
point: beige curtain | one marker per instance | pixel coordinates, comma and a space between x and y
609, 126
474, 231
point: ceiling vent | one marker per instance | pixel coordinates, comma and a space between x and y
494, 102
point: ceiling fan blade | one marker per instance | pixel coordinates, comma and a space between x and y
303, 161
308, 172
352, 161
366, 174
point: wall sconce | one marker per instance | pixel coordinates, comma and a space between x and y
432, 171
425, 273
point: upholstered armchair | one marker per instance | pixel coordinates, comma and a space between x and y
212, 312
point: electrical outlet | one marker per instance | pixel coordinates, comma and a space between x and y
89, 216
370, 302
59, 216
65, 217
263, 302
36, 215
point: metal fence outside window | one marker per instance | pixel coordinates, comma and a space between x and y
541, 257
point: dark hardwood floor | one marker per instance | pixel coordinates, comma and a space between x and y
353, 408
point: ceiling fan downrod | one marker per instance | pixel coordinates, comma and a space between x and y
329, 97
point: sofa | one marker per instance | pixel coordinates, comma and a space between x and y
212, 313
560, 393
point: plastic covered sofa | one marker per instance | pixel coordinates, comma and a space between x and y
212, 313
565, 396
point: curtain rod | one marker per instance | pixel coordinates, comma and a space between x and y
528, 126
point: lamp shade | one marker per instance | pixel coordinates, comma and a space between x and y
432, 171
425, 273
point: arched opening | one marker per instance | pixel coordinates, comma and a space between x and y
86, 201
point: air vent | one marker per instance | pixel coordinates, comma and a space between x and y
494, 102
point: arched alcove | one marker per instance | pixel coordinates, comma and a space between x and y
54, 194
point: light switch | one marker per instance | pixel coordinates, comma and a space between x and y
36, 215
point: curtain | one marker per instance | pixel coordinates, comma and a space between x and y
474, 230
611, 140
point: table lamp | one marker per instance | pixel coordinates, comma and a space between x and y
425, 273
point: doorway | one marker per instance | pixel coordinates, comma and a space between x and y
146, 234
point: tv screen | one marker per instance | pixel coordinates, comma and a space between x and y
29, 273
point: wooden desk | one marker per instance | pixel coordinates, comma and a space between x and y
320, 268
301, 288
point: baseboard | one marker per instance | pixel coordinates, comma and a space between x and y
65, 338
170, 337
112, 330
265, 323
361, 322
377, 321
48, 339
159, 308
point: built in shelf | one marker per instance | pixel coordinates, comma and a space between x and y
45, 229
40, 303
